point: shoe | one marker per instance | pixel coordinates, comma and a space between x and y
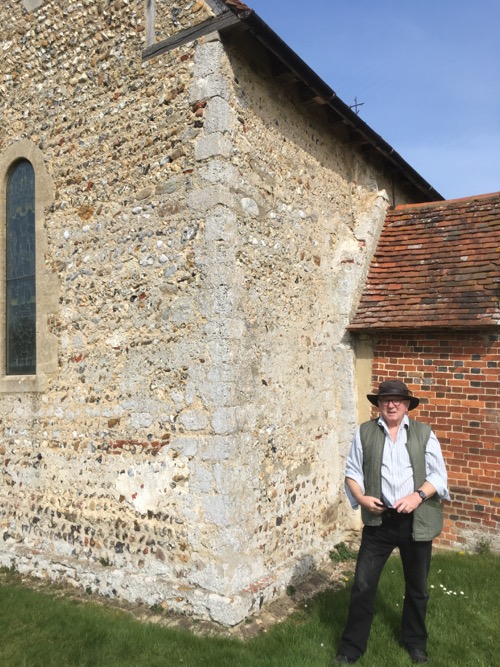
418, 655
343, 660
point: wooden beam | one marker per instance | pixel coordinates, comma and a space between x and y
280, 71
207, 27
150, 23
359, 140
308, 96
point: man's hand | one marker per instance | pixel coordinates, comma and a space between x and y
408, 504
372, 504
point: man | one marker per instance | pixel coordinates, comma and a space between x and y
396, 473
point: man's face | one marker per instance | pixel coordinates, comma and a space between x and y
393, 408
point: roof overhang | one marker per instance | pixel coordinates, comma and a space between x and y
236, 16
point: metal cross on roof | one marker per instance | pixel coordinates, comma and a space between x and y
356, 105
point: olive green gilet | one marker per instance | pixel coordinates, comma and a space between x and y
428, 517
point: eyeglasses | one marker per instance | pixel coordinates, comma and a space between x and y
395, 401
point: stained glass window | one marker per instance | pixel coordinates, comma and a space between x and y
20, 279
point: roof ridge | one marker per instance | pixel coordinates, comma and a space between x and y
444, 202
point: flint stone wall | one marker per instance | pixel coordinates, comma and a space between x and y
206, 240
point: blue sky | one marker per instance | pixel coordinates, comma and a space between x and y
427, 71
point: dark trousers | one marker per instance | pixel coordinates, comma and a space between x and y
377, 544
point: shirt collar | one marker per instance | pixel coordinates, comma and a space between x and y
405, 422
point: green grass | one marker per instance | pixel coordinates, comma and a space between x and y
40, 629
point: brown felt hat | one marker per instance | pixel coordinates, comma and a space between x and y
394, 388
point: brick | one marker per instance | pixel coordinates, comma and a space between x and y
464, 413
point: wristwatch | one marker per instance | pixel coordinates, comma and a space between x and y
422, 495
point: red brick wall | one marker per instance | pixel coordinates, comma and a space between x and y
456, 377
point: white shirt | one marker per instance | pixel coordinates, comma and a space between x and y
397, 471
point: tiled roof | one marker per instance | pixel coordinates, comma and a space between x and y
236, 4
436, 265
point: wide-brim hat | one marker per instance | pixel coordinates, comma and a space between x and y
394, 388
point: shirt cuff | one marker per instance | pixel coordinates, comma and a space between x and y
439, 485
351, 498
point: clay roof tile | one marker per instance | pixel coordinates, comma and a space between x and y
236, 4
436, 265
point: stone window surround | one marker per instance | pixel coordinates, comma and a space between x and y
46, 290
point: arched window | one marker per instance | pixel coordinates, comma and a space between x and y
29, 287
20, 271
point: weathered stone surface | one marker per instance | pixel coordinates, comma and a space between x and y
207, 240
213, 145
